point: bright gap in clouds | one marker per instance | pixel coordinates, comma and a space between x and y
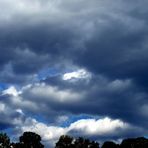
76, 75
11, 91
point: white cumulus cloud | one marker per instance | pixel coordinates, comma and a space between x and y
50, 134
79, 74
99, 127
11, 91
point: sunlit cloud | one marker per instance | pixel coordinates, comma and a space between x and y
76, 75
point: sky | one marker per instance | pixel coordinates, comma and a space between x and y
75, 67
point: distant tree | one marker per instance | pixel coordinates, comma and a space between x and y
94, 144
127, 143
85, 143
65, 141
4, 141
33, 140
140, 142
17, 145
81, 142
30, 140
69, 142
110, 144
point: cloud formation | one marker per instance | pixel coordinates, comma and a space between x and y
87, 127
67, 58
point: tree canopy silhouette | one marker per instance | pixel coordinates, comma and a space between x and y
110, 144
33, 140
66, 141
140, 142
70, 142
4, 140
29, 140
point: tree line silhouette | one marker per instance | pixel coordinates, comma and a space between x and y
33, 140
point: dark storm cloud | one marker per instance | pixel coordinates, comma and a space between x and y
107, 38
27, 50
100, 96
38, 40
117, 53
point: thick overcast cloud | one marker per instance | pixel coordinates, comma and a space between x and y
62, 59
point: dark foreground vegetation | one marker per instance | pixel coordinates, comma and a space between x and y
33, 140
